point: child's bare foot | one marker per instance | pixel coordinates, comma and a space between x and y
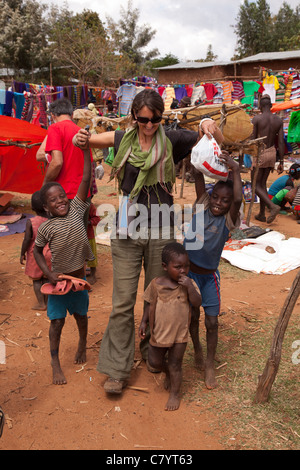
41, 307
58, 376
92, 279
80, 357
210, 377
173, 403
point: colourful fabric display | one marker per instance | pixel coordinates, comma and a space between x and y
180, 92
210, 91
198, 95
227, 90
125, 95
295, 92
238, 91
288, 90
271, 85
168, 96
250, 87
294, 127
281, 90
218, 98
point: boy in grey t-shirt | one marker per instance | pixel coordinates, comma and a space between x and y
66, 234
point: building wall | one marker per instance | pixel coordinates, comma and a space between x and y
253, 68
185, 76
245, 71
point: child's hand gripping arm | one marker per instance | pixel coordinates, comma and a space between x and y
193, 295
237, 185
144, 321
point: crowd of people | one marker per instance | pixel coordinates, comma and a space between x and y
179, 278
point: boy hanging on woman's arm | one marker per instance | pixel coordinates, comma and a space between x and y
221, 215
66, 234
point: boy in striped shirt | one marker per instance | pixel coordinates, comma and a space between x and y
67, 237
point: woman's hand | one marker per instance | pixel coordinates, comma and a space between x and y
210, 128
81, 139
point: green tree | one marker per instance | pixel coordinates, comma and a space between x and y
80, 43
130, 39
254, 29
287, 28
23, 36
210, 56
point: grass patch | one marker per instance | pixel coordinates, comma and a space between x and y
244, 349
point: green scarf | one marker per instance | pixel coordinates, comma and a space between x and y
156, 165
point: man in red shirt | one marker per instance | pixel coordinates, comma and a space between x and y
66, 160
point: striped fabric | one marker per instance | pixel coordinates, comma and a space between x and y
227, 90
67, 238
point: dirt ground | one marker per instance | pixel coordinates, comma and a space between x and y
79, 415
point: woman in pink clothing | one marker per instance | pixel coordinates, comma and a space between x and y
31, 269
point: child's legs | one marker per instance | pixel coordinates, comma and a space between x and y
211, 324
82, 324
175, 357
174, 375
153, 266
55, 330
194, 332
41, 298
209, 286
156, 357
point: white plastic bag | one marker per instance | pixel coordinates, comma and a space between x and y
205, 158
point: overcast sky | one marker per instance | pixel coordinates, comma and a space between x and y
184, 28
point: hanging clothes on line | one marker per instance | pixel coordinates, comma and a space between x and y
125, 96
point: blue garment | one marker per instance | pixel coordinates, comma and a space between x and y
74, 302
209, 286
278, 185
206, 237
19, 99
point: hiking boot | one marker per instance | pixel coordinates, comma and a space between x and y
114, 386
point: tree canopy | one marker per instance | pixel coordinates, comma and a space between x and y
258, 30
77, 45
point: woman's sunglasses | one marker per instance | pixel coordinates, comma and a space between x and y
145, 120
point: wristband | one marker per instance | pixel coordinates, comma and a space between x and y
202, 120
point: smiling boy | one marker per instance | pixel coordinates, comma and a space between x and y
68, 242
221, 214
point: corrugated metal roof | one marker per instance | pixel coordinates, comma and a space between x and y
193, 65
263, 56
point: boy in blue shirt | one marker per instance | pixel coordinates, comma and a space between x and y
204, 244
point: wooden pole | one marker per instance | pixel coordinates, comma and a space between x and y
269, 374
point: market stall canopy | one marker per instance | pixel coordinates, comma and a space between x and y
19, 142
285, 105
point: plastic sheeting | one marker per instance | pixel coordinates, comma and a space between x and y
20, 172
270, 253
